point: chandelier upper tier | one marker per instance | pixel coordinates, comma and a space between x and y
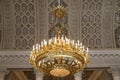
59, 56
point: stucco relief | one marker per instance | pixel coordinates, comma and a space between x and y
28, 21
117, 23
24, 12
98, 58
91, 23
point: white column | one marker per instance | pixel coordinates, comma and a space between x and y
39, 75
115, 73
2, 76
78, 76
3, 72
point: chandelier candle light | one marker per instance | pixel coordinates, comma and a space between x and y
59, 56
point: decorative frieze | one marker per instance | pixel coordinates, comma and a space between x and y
13, 59
98, 58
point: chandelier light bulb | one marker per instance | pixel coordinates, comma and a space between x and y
87, 50
33, 47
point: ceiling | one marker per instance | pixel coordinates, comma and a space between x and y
26, 22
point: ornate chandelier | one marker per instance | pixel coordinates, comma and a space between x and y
59, 56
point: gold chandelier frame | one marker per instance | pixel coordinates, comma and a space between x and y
59, 52
59, 56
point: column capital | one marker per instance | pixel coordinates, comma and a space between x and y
78, 76
38, 72
3, 70
39, 75
115, 71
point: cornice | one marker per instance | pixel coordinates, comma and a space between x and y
105, 53
98, 58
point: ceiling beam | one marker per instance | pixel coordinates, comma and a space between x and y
95, 75
20, 75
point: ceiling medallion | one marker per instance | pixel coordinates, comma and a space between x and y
59, 56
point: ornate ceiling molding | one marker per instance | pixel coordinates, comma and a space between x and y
98, 58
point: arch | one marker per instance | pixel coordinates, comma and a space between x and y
117, 37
